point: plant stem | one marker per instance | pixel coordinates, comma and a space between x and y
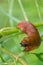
13, 56
7, 63
38, 9
22, 9
10, 12
38, 24
8, 30
2, 58
22, 61
7, 14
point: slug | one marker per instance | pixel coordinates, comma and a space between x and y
33, 39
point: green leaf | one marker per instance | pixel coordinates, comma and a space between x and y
10, 15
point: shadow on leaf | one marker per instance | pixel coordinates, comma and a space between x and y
39, 56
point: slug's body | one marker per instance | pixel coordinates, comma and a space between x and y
33, 38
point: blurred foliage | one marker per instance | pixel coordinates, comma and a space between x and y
34, 57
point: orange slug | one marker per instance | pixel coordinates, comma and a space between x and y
33, 39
